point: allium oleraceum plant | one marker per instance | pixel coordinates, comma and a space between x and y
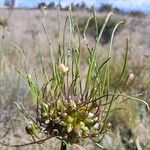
69, 107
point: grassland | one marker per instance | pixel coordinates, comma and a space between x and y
130, 129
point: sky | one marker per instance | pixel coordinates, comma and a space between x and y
126, 5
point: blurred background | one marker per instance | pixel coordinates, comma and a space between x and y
20, 23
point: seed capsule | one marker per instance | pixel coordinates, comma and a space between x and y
130, 79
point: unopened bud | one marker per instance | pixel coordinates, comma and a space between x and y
57, 119
109, 125
45, 105
64, 115
29, 76
69, 128
77, 130
60, 105
96, 126
72, 104
78, 127
45, 115
89, 121
63, 123
63, 68
69, 119
47, 121
82, 124
90, 115
82, 113
65, 137
130, 79
86, 131
95, 119
30, 128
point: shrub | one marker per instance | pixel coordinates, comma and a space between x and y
106, 7
51, 5
91, 30
137, 14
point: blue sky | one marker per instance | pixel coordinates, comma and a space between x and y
127, 5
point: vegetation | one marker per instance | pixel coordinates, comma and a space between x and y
9, 3
40, 5
72, 90
91, 29
69, 107
108, 8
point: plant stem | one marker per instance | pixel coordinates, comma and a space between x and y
63, 146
